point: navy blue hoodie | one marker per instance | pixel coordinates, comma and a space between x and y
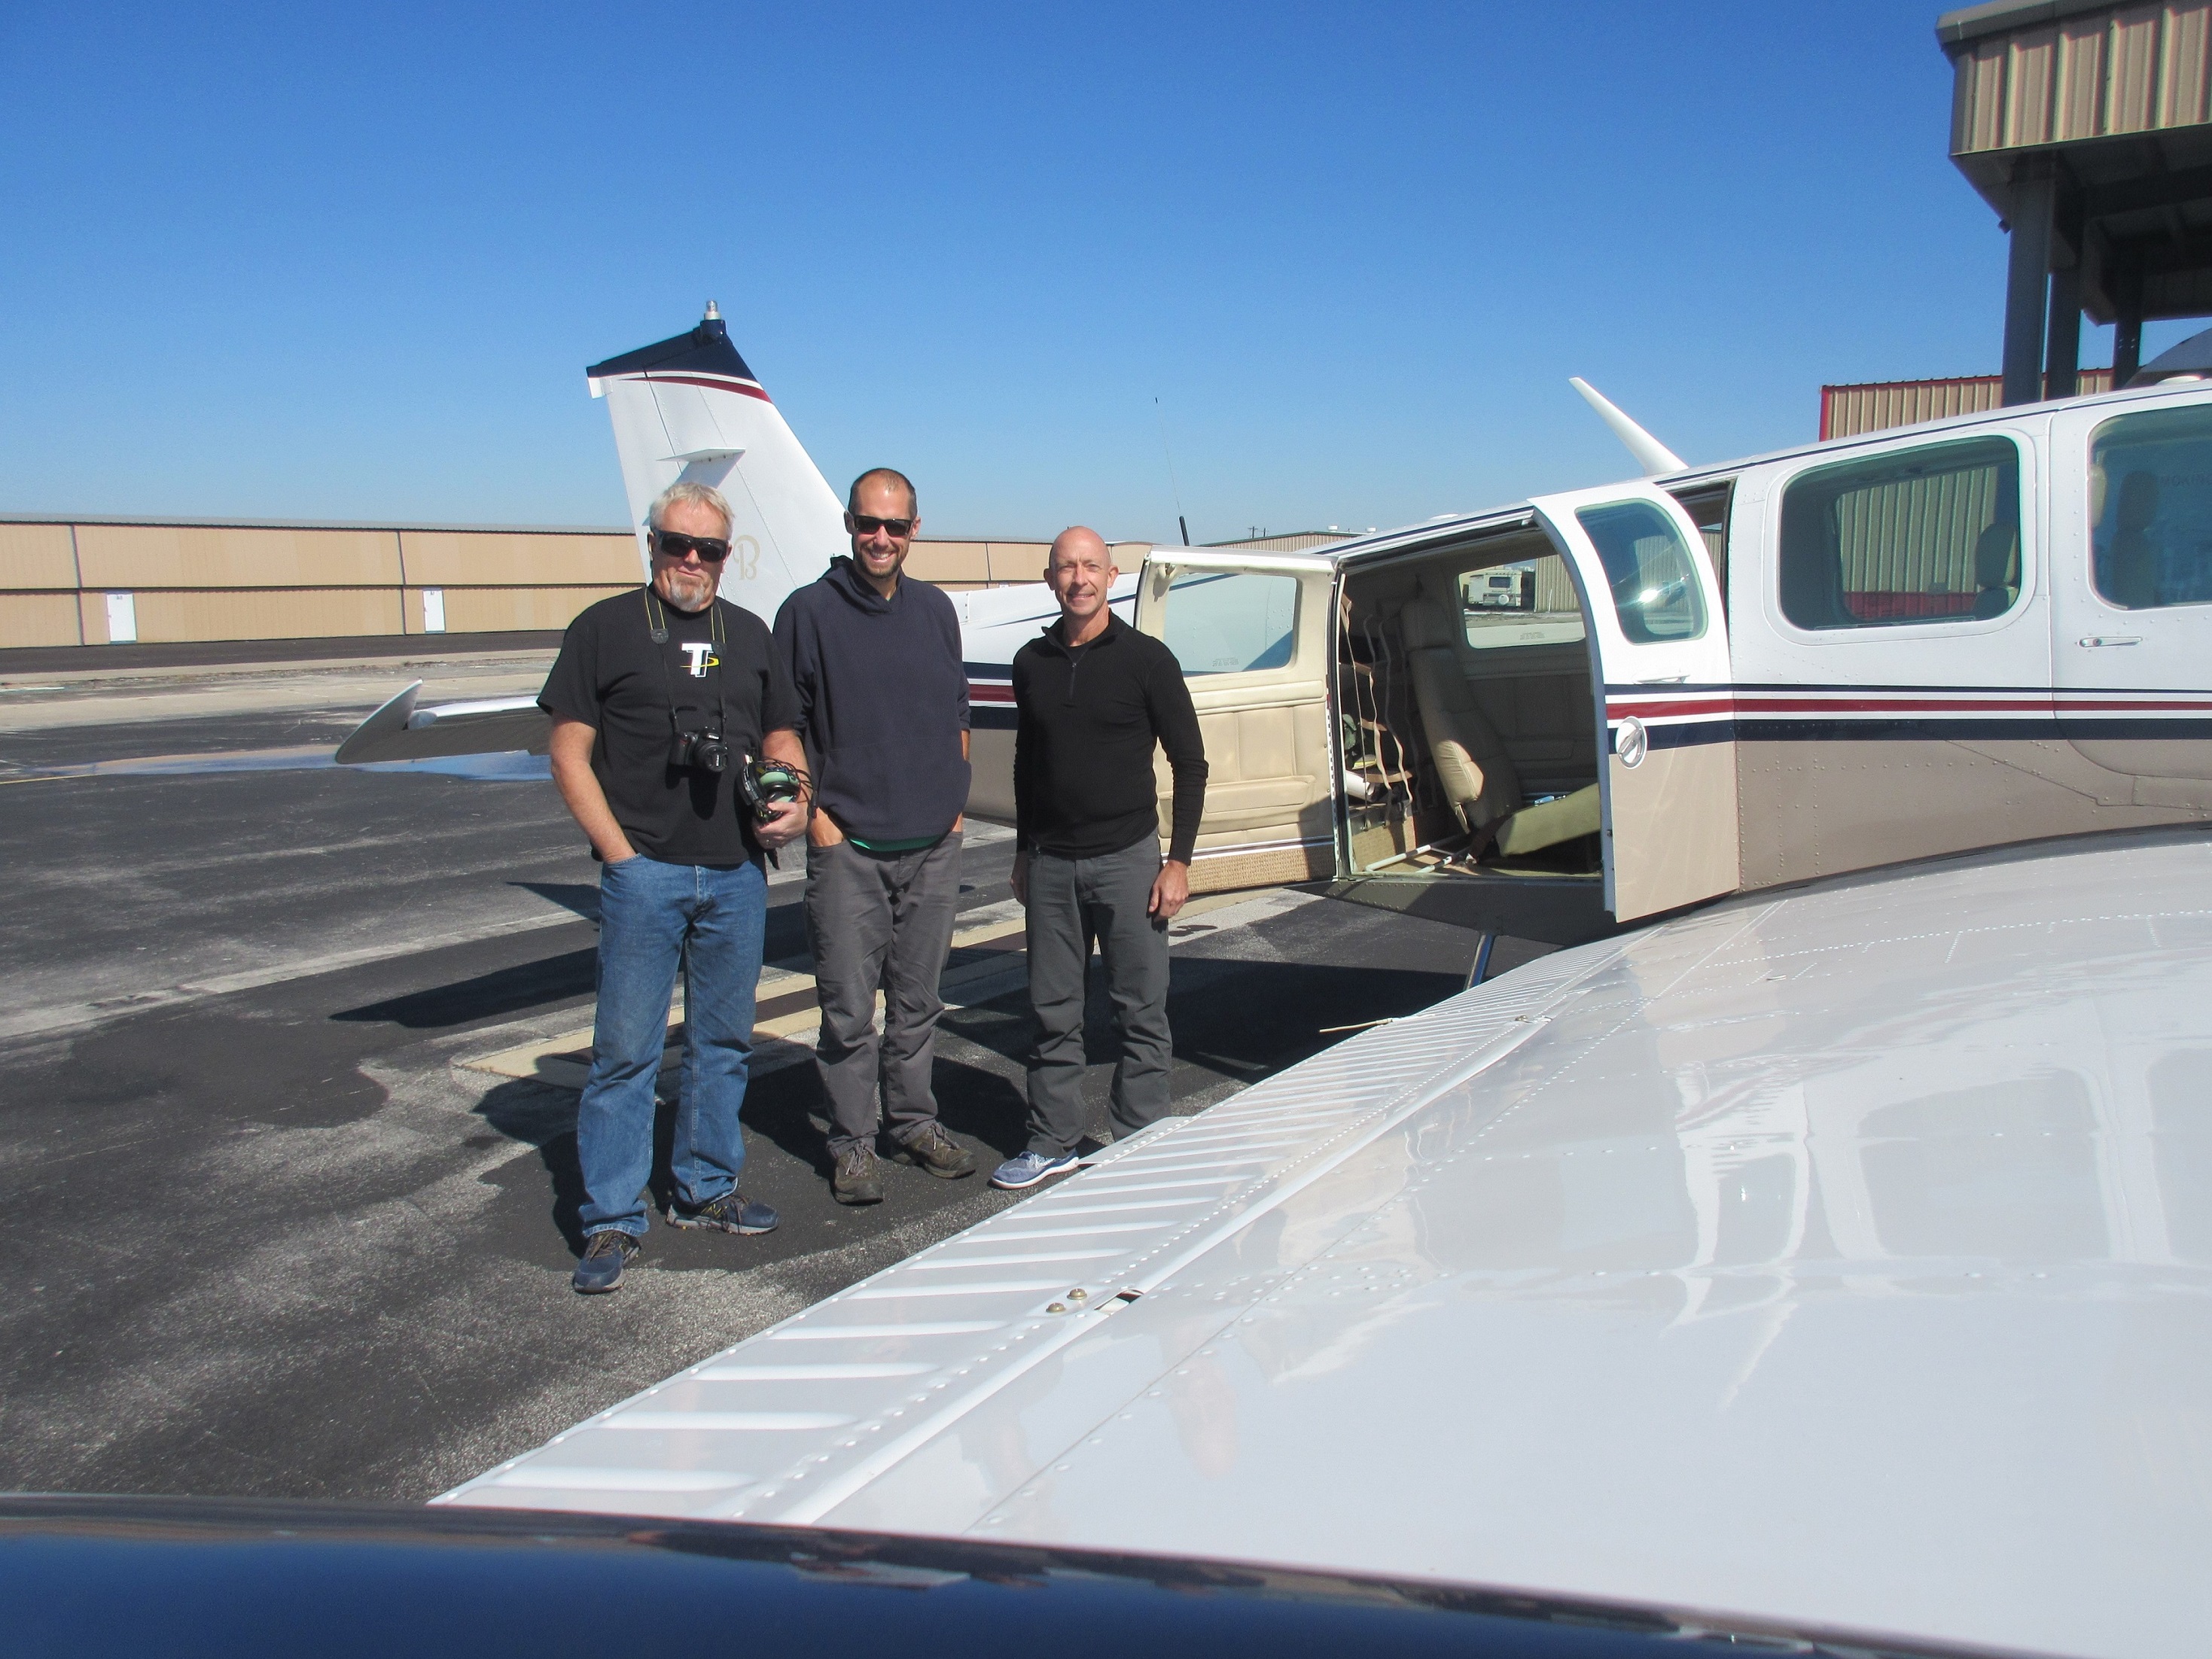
883, 699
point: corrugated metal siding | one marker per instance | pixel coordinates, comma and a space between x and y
1555, 588
133, 556
512, 610
212, 581
1295, 542
1847, 411
450, 558
2121, 69
36, 556
1907, 547
38, 619
264, 613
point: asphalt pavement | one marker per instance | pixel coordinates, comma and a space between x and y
269, 1235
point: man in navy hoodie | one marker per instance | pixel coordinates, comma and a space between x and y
883, 702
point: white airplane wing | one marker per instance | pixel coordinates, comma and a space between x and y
401, 731
1838, 1256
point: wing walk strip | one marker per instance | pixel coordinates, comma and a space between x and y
770, 1432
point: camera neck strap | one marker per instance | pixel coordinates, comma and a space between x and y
656, 622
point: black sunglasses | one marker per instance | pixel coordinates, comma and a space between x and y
865, 524
711, 549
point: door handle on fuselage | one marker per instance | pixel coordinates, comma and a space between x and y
2095, 640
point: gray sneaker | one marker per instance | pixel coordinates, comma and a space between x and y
936, 1151
859, 1176
1027, 1169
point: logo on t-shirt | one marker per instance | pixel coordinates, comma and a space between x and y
702, 652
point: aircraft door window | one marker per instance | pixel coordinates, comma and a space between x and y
1646, 564
1231, 621
1914, 536
2150, 508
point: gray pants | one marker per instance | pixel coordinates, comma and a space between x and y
879, 921
1072, 902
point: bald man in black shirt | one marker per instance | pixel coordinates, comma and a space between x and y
1095, 698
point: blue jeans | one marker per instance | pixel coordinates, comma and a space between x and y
651, 917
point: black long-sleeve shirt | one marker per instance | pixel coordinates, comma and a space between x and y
1083, 748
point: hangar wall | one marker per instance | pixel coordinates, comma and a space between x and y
62, 581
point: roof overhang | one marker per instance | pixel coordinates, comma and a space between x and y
2114, 104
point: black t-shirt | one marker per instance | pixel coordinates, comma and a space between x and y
611, 676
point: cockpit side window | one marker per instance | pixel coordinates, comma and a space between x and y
1655, 592
2150, 508
1913, 536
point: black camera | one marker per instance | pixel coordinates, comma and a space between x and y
699, 751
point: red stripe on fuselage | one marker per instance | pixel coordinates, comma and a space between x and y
2025, 702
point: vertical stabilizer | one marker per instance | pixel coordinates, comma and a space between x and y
689, 408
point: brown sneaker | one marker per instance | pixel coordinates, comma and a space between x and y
937, 1152
859, 1176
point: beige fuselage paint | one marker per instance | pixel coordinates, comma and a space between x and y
1683, 804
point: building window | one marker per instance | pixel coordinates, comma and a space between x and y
1231, 621
2150, 508
1646, 564
1916, 536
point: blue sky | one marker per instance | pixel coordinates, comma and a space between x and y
350, 263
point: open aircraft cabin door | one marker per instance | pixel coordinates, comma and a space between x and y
1659, 662
1251, 631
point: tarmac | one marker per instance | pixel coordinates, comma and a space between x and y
286, 1148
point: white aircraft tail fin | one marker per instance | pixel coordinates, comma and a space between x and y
1654, 457
689, 408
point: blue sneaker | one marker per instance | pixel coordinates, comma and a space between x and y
606, 1253
1030, 1168
733, 1212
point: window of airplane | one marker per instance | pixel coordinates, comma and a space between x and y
1231, 621
1914, 535
2150, 508
1655, 586
1529, 602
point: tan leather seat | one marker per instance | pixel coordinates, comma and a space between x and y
1997, 569
1471, 761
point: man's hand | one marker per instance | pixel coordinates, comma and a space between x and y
1170, 890
785, 826
571, 753
823, 831
1021, 879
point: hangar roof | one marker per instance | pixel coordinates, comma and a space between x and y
2115, 99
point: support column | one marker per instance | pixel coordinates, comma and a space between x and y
2062, 358
2127, 323
2027, 286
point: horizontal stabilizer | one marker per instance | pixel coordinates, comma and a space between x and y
401, 731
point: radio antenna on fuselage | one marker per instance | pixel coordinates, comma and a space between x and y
1654, 457
1173, 484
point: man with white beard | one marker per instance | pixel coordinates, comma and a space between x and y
660, 698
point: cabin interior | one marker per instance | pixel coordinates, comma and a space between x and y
1469, 737
1468, 733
